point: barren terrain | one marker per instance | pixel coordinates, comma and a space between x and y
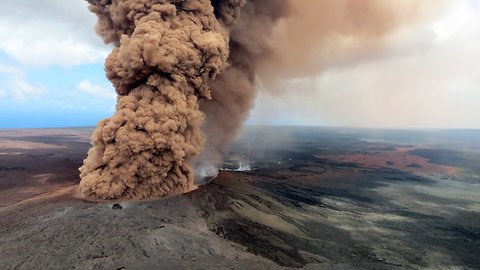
315, 199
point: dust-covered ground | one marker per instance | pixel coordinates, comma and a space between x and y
311, 198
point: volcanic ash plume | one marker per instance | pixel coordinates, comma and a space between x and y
166, 52
233, 91
185, 70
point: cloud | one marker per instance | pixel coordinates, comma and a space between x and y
50, 51
49, 32
21, 90
96, 90
16, 85
11, 71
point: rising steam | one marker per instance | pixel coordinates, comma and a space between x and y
185, 72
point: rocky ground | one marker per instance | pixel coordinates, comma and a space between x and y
312, 200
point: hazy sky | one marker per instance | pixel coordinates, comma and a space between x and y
426, 75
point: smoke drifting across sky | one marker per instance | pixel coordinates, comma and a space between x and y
421, 73
186, 73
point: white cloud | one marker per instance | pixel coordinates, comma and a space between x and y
49, 32
50, 51
96, 90
11, 71
20, 90
17, 87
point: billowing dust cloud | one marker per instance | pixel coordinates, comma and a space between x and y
185, 72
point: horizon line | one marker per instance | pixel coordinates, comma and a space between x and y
280, 126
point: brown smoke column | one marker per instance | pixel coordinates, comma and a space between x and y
185, 73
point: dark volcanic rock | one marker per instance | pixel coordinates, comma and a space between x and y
305, 211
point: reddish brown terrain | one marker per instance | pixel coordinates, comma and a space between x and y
398, 158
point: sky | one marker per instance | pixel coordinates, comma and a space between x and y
426, 76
